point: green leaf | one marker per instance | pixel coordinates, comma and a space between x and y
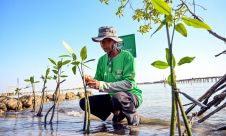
169, 79
47, 71
63, 76
86, 66
52, 61
181, 29
66, 62
119, 11
168, 58
42, 77
32, 79
161, 25
195, 23
27, 80
55, 67
49, 78
139, 14
68, 47
36, 81
74, 70
59, 64
89, 60
55, 72
169, 18
162, 6
83, 53
184, 60
105, 1
54, 77
64, 56
144, 28
74, 56
160, 64
75, 63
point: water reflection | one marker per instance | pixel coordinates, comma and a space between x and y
118, 129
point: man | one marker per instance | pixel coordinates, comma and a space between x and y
115, 75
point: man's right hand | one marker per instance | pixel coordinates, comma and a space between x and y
88, 78
95, 84
91, 82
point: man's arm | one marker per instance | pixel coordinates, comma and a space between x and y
115, 86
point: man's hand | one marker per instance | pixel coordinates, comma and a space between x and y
88, 78
92, 83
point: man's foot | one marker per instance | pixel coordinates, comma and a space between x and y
133, 119
118, 118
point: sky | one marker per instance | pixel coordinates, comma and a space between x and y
31, 31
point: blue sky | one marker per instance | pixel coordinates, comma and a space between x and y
33, 31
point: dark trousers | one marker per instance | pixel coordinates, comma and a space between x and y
103, 105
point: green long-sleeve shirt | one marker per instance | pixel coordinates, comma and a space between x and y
118, 74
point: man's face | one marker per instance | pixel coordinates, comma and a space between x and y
107, 44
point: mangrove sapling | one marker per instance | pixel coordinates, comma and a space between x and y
58, 74
175, 97
44, 79
18, 93
32, 81
80, 66
162, 12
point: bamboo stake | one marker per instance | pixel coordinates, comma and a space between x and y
188, 128
178, 119
190, 122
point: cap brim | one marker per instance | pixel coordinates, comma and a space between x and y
99, 39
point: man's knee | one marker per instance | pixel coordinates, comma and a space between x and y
118, 95
117, 99
82, 103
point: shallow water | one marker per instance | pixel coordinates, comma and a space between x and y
69, 119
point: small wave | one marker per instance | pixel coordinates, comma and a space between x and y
74, 113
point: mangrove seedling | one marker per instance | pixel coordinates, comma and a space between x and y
18, 93
173, 15
44, 78
58, 75
175, 20
32, 81
80, 66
